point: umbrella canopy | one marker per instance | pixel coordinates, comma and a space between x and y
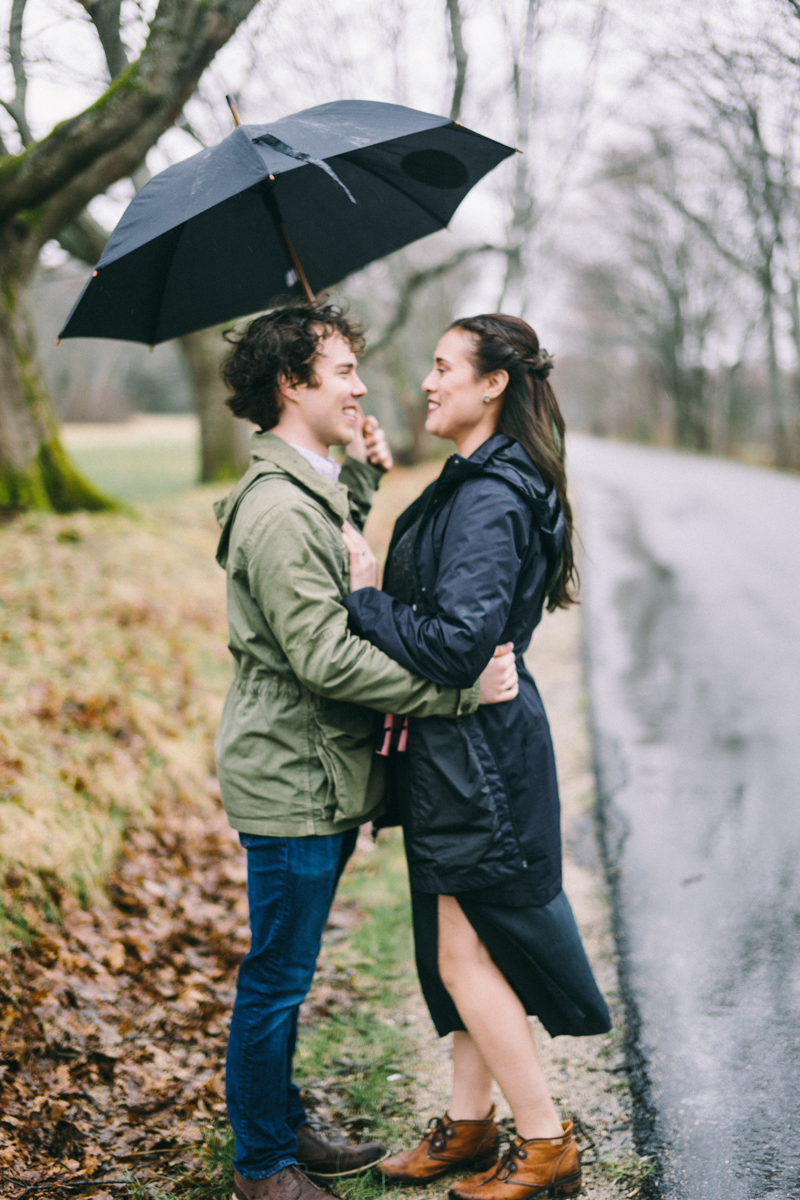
350, 182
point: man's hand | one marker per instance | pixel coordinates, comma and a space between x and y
499, 681
369, 444
363, 563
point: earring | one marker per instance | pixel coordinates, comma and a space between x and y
487, 399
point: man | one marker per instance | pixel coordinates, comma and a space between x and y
296, 745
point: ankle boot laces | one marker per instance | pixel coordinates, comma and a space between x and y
507, 1166
439, 1133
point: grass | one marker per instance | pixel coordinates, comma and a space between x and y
630, 1168
360, 1051
138, 474
212, 1180
150, 458
113, 668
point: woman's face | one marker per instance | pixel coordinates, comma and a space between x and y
456, 406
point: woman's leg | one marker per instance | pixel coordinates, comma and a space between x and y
499, 1042
471, 1097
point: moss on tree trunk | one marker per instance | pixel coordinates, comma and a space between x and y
35, 471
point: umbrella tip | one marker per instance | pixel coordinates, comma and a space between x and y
58, 341
94, 274
234, 110
518, 151
152, 348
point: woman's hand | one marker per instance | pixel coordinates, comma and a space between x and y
369, 444
363, 563
499, 680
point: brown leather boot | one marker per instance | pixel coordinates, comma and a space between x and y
327, 1160
551, 1165
287, 1184
450, 1144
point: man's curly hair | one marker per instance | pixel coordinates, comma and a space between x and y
283, 342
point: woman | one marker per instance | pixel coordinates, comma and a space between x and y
470, 566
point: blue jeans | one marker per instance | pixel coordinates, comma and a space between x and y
290, 886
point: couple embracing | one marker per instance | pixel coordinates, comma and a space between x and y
406, 705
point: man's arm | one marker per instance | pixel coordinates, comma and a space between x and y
296, 563
361, 480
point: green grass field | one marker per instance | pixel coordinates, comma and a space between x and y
148, 458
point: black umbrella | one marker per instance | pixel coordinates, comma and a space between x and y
223, 233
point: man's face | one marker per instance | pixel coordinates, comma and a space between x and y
331, 411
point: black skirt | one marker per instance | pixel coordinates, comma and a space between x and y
539, 951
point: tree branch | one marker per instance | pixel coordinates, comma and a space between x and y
412, 285
16, 107
83, 156
460, 56
105, 15
84, 238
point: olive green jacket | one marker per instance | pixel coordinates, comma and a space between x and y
297, 739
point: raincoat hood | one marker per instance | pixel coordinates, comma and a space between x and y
502, 457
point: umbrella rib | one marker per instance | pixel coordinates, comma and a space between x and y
269, 139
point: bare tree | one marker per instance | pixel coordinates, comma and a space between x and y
743, 130
665, 288
47, 187
535, 199
459, 56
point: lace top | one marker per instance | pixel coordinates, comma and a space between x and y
399, 579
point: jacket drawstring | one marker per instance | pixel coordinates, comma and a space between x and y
395, 735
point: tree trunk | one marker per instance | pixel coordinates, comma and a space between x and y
691, 409
35, 471
224, 438
780, 442
794, 430
48, 185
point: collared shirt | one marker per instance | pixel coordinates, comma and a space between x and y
326, 466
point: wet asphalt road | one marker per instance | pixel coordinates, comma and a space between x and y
692, 611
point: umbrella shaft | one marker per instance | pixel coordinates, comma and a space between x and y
273, 208
298, 270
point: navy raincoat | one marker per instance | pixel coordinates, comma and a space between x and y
477, 797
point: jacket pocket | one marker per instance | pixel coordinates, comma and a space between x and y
453, 815
353, 770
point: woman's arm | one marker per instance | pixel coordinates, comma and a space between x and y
484, 544
368, 459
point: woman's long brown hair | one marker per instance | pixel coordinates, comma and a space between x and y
530, 414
